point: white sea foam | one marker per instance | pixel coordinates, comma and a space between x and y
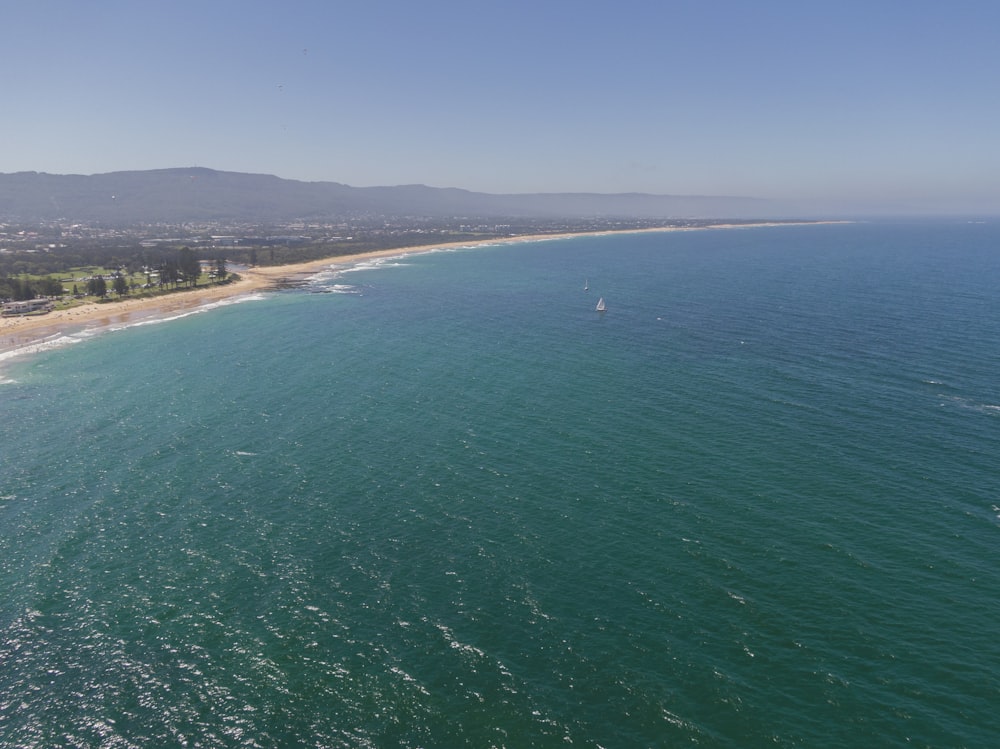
59, 340
377, 263
968, 404
336, 288
394, 260
228, 302
53, 342
330, 270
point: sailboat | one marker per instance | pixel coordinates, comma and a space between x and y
600, 305
586, 285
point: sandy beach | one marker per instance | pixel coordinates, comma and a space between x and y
24, 334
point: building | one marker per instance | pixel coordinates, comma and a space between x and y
27, 307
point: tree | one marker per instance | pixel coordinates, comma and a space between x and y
120, 285
21, 290
169, 273
97, 286
47, 287
220, 270
187, 263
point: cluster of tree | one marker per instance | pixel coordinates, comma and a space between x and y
59, 260
181, 268
184, 268
97, 286
18, 289
82, 255
133, 259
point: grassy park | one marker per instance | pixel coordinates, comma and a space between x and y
103, 284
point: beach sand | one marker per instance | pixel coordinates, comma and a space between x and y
25, 334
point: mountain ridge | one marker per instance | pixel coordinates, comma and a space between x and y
181, 194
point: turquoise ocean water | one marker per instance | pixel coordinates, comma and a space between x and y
448, 504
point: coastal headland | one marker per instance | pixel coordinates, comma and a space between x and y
26, 333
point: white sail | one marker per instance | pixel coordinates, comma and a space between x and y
600, 305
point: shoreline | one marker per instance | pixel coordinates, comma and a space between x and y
24, 335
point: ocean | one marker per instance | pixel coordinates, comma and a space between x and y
438, 500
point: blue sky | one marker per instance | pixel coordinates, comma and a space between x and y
847, 103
